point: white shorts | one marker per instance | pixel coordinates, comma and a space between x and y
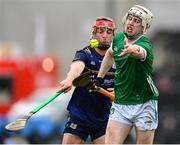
143, 116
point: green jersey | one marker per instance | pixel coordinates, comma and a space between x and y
133, 77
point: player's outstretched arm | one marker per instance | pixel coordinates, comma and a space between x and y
106, 63
76, 69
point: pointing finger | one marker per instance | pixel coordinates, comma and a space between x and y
126, 45
123, 53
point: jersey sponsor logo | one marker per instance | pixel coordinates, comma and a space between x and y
73, 125
108, 81
138, 97
115, 48
93, 63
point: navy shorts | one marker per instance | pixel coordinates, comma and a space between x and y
81, 129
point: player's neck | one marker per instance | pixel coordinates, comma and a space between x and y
100, 51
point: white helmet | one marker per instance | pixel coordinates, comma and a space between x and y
144, 14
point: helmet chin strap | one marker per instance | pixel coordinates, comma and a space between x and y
133, 37
103, 46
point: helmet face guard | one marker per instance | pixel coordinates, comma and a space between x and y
144, 14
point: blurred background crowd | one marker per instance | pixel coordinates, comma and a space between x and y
38, 39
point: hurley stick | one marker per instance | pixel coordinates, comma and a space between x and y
21, 122
84, 80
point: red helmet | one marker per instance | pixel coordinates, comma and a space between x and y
103, 22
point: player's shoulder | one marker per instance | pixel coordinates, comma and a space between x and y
144, 42
84, 50
82, 54
119, 35
144, 38
87, 49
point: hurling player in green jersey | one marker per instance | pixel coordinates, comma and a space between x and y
135, 104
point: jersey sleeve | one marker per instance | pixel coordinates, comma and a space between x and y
81, 56
146, 44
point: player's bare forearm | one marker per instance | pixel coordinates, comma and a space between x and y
76, 69
106, 64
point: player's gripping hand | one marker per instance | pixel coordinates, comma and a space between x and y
66, 85
95, 83
98, 82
